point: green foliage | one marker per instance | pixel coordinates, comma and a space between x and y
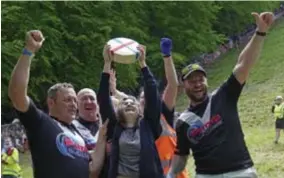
76, 32
234, 16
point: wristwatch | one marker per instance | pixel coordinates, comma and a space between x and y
260, 33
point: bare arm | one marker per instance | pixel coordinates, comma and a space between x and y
98, 155
170, 92
116, 93
252, 50
119, 94
18, 84
177, 166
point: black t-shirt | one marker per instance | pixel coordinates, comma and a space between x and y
216, 140
58, 150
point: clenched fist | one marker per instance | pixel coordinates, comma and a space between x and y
263, 20
34, 40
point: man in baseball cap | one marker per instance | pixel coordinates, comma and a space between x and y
210, 127
195, 82
190, 69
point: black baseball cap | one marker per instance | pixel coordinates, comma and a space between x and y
191, 68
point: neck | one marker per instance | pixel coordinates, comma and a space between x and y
58, 118
129, 122
195, 103
92, 118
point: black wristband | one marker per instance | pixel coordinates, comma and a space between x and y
168, 55
260, 33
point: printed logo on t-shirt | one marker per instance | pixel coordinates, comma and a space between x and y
69, 146
89, 139
197, 129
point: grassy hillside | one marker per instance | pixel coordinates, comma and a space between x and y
265, 82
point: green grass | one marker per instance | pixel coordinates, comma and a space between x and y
265, 82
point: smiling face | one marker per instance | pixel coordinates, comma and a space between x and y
62, 102
87, 104
195, 86
128, 110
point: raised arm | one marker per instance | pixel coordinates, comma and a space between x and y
20, 76
252, 50
116, 93
104, 99
98, 155
170, 93
152, 109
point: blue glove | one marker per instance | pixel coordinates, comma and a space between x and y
166, 47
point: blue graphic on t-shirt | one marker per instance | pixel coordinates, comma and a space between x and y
69, 147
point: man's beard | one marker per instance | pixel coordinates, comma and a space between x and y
195, 99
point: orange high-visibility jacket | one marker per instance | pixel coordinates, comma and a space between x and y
166, 145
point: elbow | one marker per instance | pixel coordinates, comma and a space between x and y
13, 94
173, 81
11, 91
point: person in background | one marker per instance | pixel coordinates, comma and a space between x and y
210, 127
88, 121
133, 151
278, 111
10, 160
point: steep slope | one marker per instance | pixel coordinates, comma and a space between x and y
266, 81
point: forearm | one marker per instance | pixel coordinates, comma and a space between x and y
104, 101
98, 157
152, 110
19, 83
248, 58
178, 165
170, 72
119, 95
170, 92
107, 67
152, 98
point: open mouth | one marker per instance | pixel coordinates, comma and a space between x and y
90, 108
130, 109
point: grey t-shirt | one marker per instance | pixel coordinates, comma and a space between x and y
129, 153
